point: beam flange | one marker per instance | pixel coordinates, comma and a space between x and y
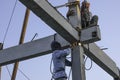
44, 10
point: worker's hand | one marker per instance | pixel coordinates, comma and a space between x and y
73, 45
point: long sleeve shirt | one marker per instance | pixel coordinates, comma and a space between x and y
59, 57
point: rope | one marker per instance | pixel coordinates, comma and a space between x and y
10, 21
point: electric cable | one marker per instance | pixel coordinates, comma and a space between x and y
51, 69
51, 62
71, 66
90, 65
8, 26
19, 71
10, 21
86, 61
23, 74
8, 71
69, 73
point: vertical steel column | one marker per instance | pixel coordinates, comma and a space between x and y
21, 41
78, 68
1, 47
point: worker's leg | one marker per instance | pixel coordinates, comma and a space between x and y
94, 21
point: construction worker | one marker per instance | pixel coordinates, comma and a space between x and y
87, 19
59, 61
85, 14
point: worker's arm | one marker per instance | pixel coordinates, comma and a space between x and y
65, 52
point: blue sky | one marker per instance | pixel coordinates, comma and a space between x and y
38, 68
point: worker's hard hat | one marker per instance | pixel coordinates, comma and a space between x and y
55, 45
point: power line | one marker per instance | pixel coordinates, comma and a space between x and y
8, 71
10, 21
6, 35
24, 74
19, 71
8, 29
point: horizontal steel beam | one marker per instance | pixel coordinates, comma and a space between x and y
39, 48
101, 59
29, 50
44, 10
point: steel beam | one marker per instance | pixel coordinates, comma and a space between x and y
39, 48
44, 10
29, 50
101, 59
78, 67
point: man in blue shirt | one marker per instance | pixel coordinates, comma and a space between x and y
59, 61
